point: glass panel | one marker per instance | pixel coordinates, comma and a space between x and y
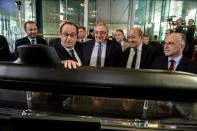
114, 13
13, 14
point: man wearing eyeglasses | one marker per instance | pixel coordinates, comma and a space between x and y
69, 49
174, 59
102, 52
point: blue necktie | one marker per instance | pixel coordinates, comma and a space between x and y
98, 63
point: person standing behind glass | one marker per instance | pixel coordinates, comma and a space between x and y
68, 48
32, 37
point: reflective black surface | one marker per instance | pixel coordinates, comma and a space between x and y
110, 112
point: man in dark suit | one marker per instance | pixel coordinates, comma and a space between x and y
138, 55
190, 38
68, 48
30, 28
100, 52
174, 59
110, 52
5, 54
82, 34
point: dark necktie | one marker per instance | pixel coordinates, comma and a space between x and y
172, 63
72, 55
82, 41
134, 59
98, 63
33, 42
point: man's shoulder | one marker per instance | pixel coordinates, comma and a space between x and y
41, 40
21, 39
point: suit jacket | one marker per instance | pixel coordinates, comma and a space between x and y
54, 41
63, 53
112, 56
148, 54
25, 41
185, 64
5, 54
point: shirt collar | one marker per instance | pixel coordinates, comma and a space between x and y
177, 59
30, 39
139, 48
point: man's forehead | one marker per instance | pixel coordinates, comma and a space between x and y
100, 27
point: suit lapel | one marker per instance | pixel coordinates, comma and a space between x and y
182, 65
87, 51
27, 40
143, 55
108, 50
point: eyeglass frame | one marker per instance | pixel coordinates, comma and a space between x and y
100, 32
72, 35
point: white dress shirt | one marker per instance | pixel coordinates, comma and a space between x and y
138, 59
93, 58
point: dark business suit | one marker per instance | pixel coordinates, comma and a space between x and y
63, 53
185, 64
25, 41
4, 49
112, 56
188, 50
148, 54
54, 41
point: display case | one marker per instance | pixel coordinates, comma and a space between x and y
55, 98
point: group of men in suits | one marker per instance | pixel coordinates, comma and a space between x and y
110, 52
143, 56
102, 52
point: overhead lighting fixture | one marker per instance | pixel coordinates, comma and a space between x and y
70, 9
82, 4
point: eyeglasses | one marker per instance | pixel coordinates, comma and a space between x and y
101, 32
72, 35
169, 43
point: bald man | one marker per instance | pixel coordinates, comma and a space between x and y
145, 54
173, 50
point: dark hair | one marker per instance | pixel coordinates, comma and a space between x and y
145, 35
29, 22
120, 30
82, 27
91, 30
68, 23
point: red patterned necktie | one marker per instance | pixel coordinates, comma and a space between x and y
172, 63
